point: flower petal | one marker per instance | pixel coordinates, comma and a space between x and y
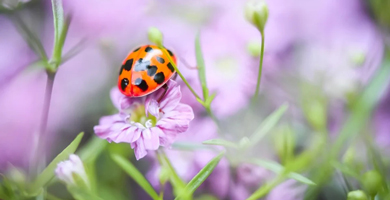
172, 98
110, 131
125, 103
151, 139
116, 96
180, 112
127, 135
110, 119
137, 135
139, 149
152, 108
175, 122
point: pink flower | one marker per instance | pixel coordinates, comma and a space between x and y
145, 122
66, 170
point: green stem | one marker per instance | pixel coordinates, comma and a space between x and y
260, 69
42, 135
180, 74
164, 161
213, 117
265, 189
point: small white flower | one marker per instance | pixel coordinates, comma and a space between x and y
256, 12
68, 169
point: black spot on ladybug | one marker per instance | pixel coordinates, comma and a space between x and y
135, 50
151, 70
147, 49
127, 66
159, 78
124, 83
141, 65
120, 71
170, 52
139, 82
160, 60
171, 67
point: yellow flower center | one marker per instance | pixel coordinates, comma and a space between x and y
138, 115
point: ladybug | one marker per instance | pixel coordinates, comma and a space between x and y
145, 70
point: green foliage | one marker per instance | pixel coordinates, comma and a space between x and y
201, 68
279, 169
132, 171
61, 24
82, 194
267, 125
201, 176
48, 173
177, 183
221, 142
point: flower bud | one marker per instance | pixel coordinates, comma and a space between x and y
155, 36
357, 195
372, 182
256, 12
72, 172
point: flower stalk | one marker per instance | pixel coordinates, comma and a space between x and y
40, 147
256, 12
181, 75
260, 69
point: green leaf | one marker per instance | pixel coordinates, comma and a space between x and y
221, 142
201, 102
76, 49
58, 16
201, 67
61, 25
133, 172
189, 146
209, 99
278, 169
82, 194
92, 149
268, 124
48, 173
362, 108
30, 37
301, 178
6, 191
201, 176
346, 170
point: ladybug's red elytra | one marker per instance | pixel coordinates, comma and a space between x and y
145, 69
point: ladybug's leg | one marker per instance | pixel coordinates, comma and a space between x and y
174, 77
165, 86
